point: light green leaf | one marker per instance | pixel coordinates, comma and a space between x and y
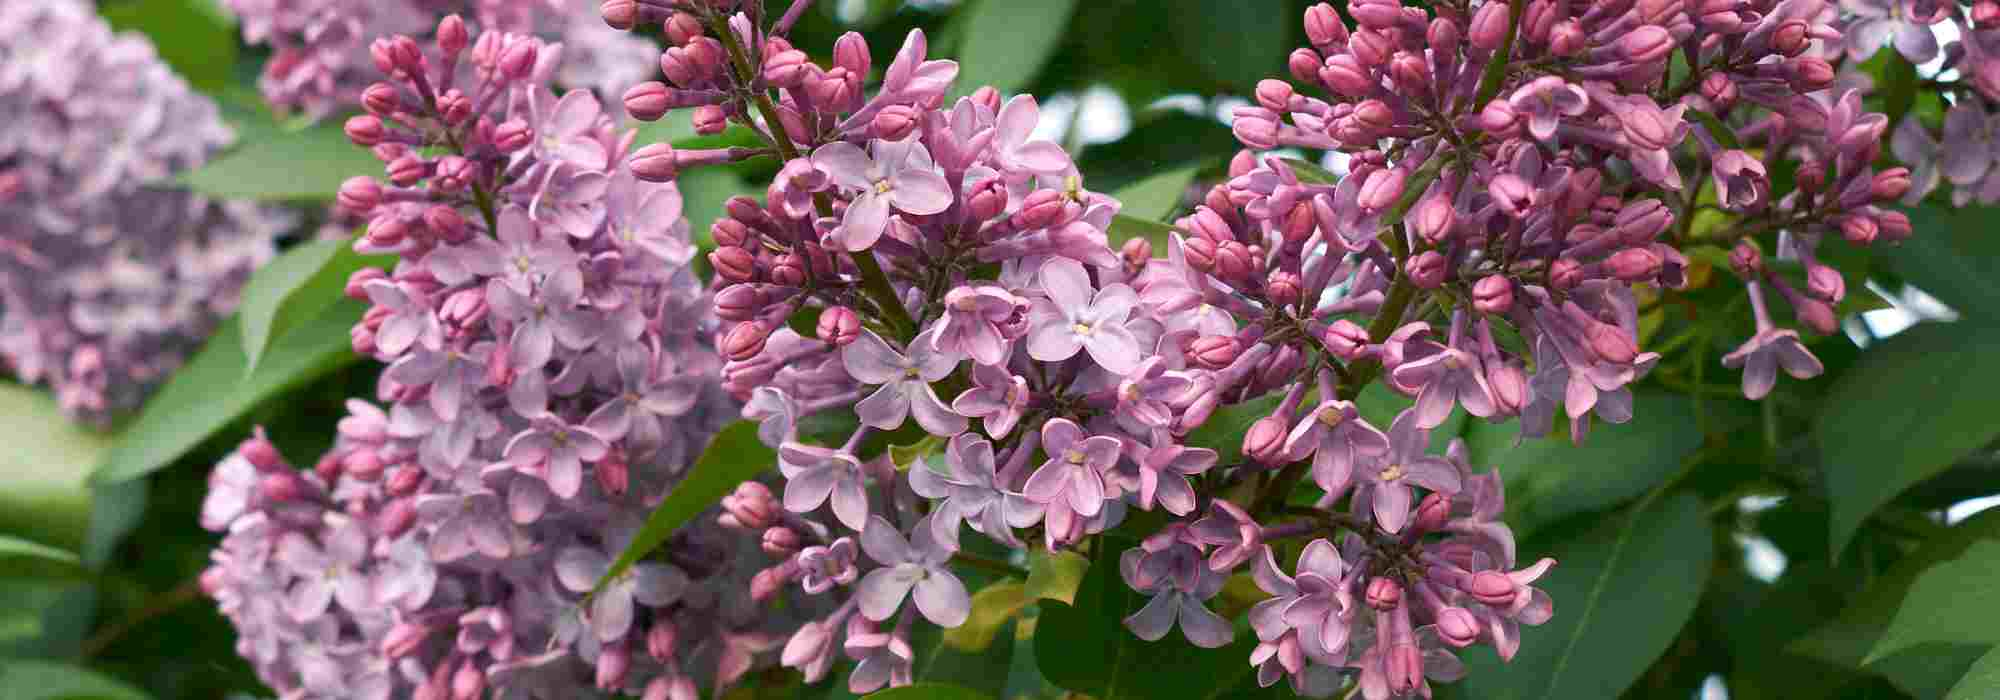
295, 288
209, 393
733, 457
1938, 605
192, 36
40, 680
1909, 408
1982, 682
1927, 669
1224, 430
992, 607
1623, 589
1157, 196
1310, 173
1124, 228
307, 165
43, 494
929, 691
1004, 43
23, 558
1550, 479
1055, 576
1953, 257
1234, 45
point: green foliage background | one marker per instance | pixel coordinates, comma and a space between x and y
1845, 477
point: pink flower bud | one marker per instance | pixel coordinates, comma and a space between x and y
513, 135
1214, 351
613, 663
766, 583
1492, 588
1568, 38
1265, 441
1200, 253
1135, 253
745, 341
1746, 260
365, 130
363, 465
517, 61
1498, 118
452, 37
1382, 188
1611, 343
614, 474
648, 101
381, 100
1809, 73
655, 163
469, 683
729, 233
1410, 71
786, 69
780, 542
987, 96
1370, 47
1283, 288
1432, 513
1489, 26
1375, 115
407, 170
1384, 593
850, 51
1566, 273
1792, 37
1324, 26
1859, 228
404, 481
988, 200
1427, 269
621, 15
661, 639
362, 340
895, 122
261, 453
1346, 339
1510, 387
739, 302
1405, 669
397, 517
1646, 44
1040, 209
839, 326
1275, 95
1433, 218
1233, 261
1346, 76
1457, 627
357, 282
1825, 283
790, 271
403, 639
1303, 63
359, 195
1493, 294
1892, 226
1719, 90
1890, 184
1817, 316
1634, 264
447, 223
1256, 127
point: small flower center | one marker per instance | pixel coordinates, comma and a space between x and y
523, 263
1451, 362
909, 372
1073, 188
561, 438
1129, 391
1392, 472
1082, 329
884, 186
1075, 456
966, 304
1332, 419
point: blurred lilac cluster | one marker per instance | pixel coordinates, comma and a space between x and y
320, 62
109, 275
550, 379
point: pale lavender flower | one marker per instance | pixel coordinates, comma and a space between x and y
899, 176
1451, 377
1316, 602
327, 571
998, 396
642, 406
905, 384
451, 373
1968, 150
1763, 354
552, 314
1163, 472
646, 217
1175, 601
823, 567
1384, 484
882, 659
775, 412
1878, 22
1070, 485
815, 474
970, 492
1546, 99
1013, 151
1146, 396
1074, 317
468, 521
1914, 146
565, 129
611, 609
916, 568
970, 326
555, 451
1335, 434
410, 321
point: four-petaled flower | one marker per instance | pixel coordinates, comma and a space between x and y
1071, 484
971, 493
900, 175
1385, 482
905, 384
1073, 318
815, 474
916, 568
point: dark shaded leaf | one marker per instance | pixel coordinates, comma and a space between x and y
1935, 610
307, 165
733, 457
1953, 256
1232, 44
1550, 479
1982, 682
1004, 43
929, 691
194, 38
1156, 197
38, 680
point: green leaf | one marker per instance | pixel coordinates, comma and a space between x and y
43, 490
1909, 408
1004, 43
295, 288
1623, 589
703, 194
1223, 432
929, 691
1716, 129
1156, 197
1982, 682
1124, 228
733, 457
40, 680
190, 35
1310, 173
992, 607
27, 559
1232, 46
1086, 648
1927, 669
1380, 405
307, 166
210, 392
1550, 479
1936, 608
1953, 257
1055, 576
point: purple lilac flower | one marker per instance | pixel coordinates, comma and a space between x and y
905, 384
1074, 317
913, 568
898, 176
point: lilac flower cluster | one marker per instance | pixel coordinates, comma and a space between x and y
320, 57
929, 273
549, 381
109, 276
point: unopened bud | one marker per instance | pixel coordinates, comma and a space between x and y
1214, 351
469, 683
734, 264
404, 639
1746, 260
1634, 264
661, 638
780, 541
381, 100
357, 283
895, 122
1384, 593
745, 341
1265, 441
1457, 627
614, 661
1427, 269
365, 130
838, 326
1817, 316
1346, 339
